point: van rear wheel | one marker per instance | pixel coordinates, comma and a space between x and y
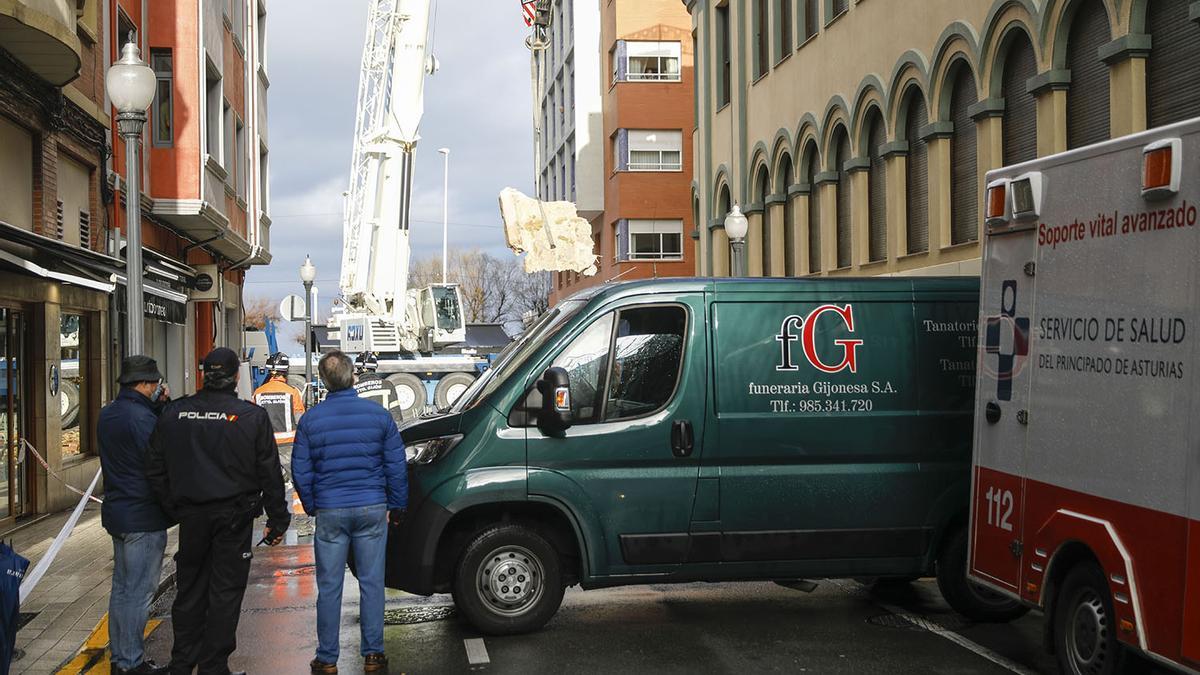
508, 580
1085, 636
965, 596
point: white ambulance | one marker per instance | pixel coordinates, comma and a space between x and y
1086, 494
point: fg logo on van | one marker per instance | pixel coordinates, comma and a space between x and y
807, 327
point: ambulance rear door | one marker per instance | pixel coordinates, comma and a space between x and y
1002, 396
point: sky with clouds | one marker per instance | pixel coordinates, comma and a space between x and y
478, 105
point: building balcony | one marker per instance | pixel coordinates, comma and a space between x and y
41, 35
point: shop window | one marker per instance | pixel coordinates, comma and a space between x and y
164, 103
74, 404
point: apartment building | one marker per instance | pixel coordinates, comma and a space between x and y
632, 83
856, 133
62, 213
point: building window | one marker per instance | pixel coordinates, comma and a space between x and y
876, 190
227, 145
163, 106
1088, 103
126, 31
838, 8
724, 67
649, 240
1020, 106
812, 20
657, 150
264, 173
212, 137
262, 37
1171, 71
241, 161
649, 61
812, 167
75, 406
841, 145
964, 163
784, 29
762, 49
916, 173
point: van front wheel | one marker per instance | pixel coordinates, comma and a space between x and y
508, 580
966, 597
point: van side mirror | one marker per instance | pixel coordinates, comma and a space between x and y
555, 387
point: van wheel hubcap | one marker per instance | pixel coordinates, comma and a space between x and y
1088, 635
510, 580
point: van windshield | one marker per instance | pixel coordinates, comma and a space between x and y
516, 353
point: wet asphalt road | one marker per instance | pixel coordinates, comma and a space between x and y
694, 628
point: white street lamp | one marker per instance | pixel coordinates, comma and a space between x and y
736, 227
445, 152
308, 274
130, 84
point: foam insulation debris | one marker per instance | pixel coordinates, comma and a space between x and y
526, 222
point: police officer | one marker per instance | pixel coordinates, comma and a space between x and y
214, 466
370, 384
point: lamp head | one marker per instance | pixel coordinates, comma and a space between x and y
308, 271
130, 82
444, 151
736, 224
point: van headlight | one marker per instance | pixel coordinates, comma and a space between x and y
424, 452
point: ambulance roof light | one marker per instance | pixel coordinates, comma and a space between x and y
997, 203
1026, 191
1162, 164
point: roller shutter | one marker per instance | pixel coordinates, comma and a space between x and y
1173, 84
964, 163
1020, 106
877, 192
814, 215
1087, 99
917, 175
841, 156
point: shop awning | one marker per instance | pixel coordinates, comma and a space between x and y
20, 264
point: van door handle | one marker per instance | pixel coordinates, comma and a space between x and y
682, 438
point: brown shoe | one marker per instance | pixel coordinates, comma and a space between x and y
374, 662
319, 667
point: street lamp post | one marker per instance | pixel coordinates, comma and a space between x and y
130, 84
308, 274
736, 227
445, 212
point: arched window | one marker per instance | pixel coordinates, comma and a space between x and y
812, 20
784, 29
964, 163
841, 155
916, 171
1172, 87
812, 166
1087, 99
761, 195
1020, 106
791, 266
876, 188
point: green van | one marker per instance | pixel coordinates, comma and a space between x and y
704, 430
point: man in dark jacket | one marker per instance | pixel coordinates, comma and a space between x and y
214, 467
130, 513
350, 470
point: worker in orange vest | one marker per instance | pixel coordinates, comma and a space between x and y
281, 400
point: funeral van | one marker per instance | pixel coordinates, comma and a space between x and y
704, 430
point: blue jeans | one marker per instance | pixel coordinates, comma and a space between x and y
137, 564
364, 528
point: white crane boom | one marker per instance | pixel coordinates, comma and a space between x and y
376, 250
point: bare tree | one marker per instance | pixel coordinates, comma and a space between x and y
494, 290
258, 310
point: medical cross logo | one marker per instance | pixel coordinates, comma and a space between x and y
1012, 358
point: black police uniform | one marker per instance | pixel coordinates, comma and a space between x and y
214, 466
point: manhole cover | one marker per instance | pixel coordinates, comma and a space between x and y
917, 622
404, 616
25, 618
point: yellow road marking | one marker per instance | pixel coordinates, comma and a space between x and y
93, 657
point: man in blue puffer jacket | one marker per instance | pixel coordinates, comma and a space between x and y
350, 470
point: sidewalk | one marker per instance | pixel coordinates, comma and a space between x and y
73, 596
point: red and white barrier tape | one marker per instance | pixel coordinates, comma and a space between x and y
42, 461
